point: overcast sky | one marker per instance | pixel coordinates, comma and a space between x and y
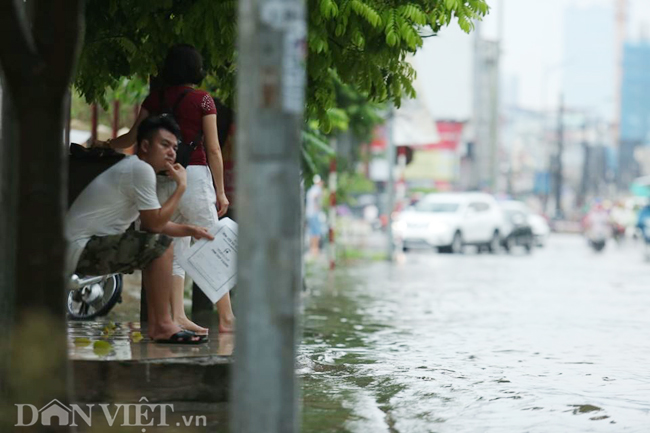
540, 24
533, 36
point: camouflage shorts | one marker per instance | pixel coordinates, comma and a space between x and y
122, 253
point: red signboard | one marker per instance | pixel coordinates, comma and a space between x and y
450, 132
378, 139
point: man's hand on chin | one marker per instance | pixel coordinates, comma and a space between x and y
177, 173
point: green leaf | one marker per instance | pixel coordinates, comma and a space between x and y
317, 142
81, 342
102, 348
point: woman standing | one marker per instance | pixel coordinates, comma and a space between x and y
196, 114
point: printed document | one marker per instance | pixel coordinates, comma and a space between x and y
213, 264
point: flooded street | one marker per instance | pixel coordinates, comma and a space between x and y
556, 341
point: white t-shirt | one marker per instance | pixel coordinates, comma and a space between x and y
109, 205
314, 198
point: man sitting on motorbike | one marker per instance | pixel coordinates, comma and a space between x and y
97, 224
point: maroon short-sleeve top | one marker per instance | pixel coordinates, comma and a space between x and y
189, 114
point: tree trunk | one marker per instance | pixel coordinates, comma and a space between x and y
8, 200
37, 66
42, 205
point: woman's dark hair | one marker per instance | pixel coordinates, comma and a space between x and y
183, 65
152, 124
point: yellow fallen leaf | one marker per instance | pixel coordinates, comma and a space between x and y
81, 342
136, 337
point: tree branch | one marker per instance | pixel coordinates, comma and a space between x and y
18, 52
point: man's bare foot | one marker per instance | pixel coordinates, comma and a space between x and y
187, 324
226, 324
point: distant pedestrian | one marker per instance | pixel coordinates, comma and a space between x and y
643, 222
313, 211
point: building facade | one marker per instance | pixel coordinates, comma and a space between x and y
635, 109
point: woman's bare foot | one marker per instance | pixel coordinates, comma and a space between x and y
226, 343
187, 324
226, 324
163, 331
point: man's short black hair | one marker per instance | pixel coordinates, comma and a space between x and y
183, 65
152, 124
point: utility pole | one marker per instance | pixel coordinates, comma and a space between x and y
584, 183
494, 119
558, 163
495, 106
271, 82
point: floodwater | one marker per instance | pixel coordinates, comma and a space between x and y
553, 342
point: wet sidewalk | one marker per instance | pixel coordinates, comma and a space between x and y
105, 341
114, 361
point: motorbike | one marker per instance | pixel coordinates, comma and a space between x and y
95, 296
597, 243
597, 238
618, 232
598, 229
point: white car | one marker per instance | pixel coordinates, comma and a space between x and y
449, 221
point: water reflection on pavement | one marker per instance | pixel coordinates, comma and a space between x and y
556, 341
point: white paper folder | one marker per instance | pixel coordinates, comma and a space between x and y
213, 264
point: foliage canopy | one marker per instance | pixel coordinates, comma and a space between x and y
363, 44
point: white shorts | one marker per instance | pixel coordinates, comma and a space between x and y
198, 206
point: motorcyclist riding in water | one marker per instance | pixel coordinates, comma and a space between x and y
597, 226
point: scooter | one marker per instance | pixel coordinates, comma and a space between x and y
91, 297
597, 238
597, 243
